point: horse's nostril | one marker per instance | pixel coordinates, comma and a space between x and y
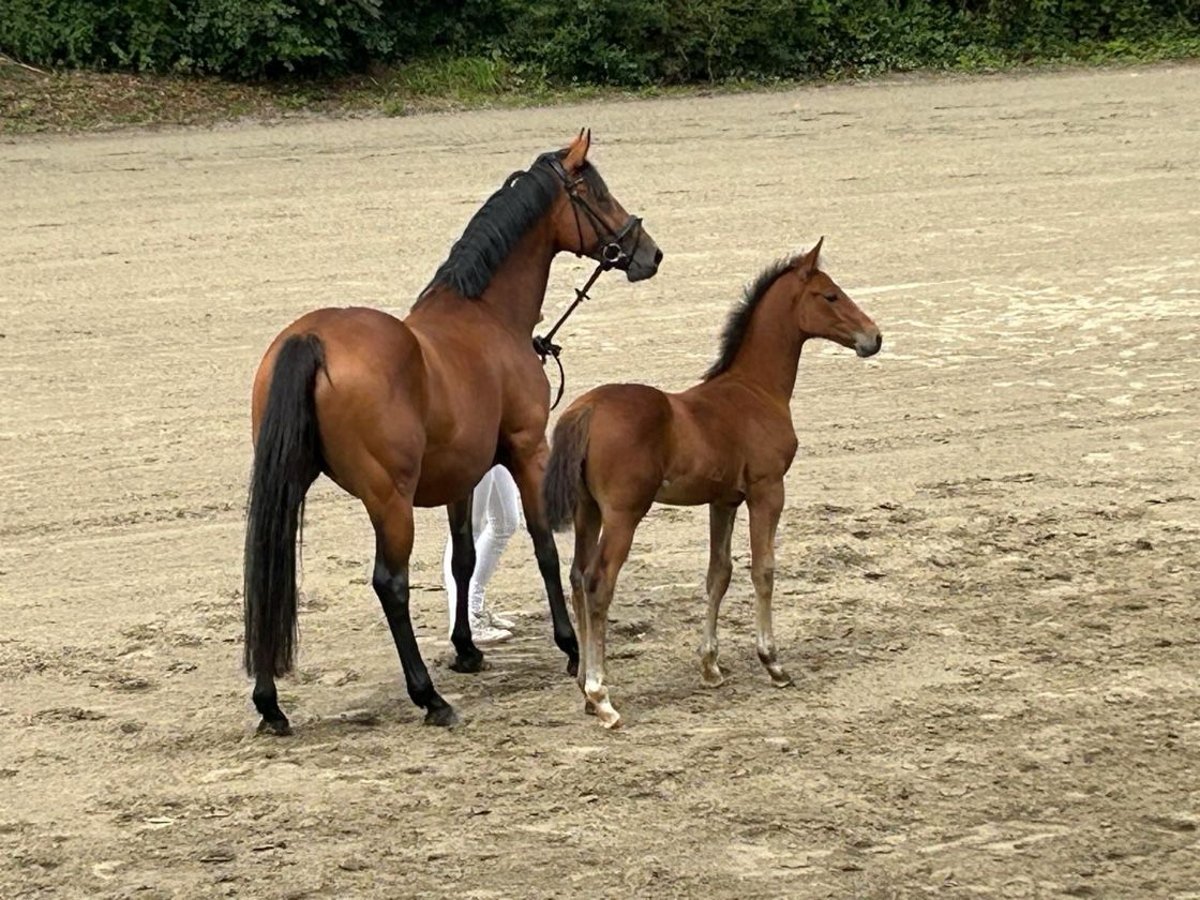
657, 257
878, 342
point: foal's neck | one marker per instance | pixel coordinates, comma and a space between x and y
770, 351
518, 287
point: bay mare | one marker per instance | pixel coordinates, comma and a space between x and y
414, 412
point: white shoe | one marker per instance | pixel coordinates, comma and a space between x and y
498, 621
483, 632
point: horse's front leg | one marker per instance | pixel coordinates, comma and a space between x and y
527, 470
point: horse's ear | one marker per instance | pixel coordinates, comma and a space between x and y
808, 264
577, 150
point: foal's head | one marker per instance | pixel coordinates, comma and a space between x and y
823, 310
589, 221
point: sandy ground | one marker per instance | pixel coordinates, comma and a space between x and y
987, 564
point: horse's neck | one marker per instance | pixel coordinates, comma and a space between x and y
770, 351
518, 287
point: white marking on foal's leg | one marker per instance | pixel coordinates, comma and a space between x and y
597, 695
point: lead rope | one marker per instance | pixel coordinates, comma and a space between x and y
544, 345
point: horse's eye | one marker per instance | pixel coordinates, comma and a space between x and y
832, 298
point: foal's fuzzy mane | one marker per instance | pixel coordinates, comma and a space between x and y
497, 226
738, 323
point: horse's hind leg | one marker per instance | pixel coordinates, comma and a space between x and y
720, 568
587, 533
394, 539
266, 701
765, 508
616, 537
468, 657
528, 471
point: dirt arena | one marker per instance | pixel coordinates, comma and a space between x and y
987, 586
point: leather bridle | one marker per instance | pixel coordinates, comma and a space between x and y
612, 254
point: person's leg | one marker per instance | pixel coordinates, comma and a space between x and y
498, 505
451, 585
482, 631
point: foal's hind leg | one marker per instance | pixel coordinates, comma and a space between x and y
468, 657
394, 539
616, 537
765, 505
720, 568
587, 533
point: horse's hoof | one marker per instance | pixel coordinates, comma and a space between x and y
277, 727
468, 664
573, 666
589, 708
442, 717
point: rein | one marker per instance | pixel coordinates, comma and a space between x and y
544, 346
612, 253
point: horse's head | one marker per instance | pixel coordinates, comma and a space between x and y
590, 221
823, 310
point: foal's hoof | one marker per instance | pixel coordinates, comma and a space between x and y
780, 678
712, 677
468, 664
277, 727
442, 716
609, 718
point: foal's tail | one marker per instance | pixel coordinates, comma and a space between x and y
563, 481
287, 459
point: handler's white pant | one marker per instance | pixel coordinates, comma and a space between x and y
495, 517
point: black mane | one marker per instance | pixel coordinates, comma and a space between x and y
738, 322
495, 229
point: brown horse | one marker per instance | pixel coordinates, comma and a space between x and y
414, 412
729, 439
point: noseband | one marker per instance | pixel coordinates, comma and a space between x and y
612, 253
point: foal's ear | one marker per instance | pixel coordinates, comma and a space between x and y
808, 264
577, 150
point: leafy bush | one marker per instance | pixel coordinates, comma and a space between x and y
618, 42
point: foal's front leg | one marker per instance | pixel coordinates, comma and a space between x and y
527, 470
720, 568
766, 505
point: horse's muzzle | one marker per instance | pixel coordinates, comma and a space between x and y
867, 344
645, 261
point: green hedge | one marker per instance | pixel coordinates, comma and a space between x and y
618, 42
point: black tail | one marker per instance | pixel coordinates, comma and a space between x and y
563, 480
287, 459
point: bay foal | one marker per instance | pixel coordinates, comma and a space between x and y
728, 440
